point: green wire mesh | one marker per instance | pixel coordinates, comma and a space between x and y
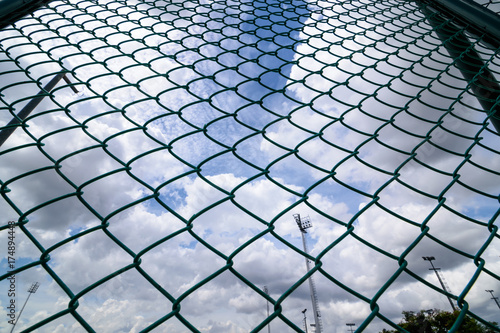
160, 196
491, 5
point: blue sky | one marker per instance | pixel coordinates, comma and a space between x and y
179, 95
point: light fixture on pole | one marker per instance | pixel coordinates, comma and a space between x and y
303, 224
305, 318
351, 327
430, 259
31, 290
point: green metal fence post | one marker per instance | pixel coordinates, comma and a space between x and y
468, 61
480, 17
13, 10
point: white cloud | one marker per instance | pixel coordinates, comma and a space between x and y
360, 95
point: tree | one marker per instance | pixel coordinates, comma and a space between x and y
438, 321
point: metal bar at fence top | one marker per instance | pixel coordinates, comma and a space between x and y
25, 112
474, 14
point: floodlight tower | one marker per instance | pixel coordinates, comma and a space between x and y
268, 325
351, 327
305, 319
303, 224
493, 297
441, 280
31, 290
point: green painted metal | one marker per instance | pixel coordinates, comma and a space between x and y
25, 112
342, 108
484, 84
13, 10
480, 17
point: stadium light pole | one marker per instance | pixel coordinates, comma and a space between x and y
493, 297
267, 303
31, 290
303, 224
430, 259
351, 327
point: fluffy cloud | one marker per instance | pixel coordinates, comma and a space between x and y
194, 148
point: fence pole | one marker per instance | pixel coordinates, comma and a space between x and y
484, 85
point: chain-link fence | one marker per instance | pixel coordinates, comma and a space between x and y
154, 153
